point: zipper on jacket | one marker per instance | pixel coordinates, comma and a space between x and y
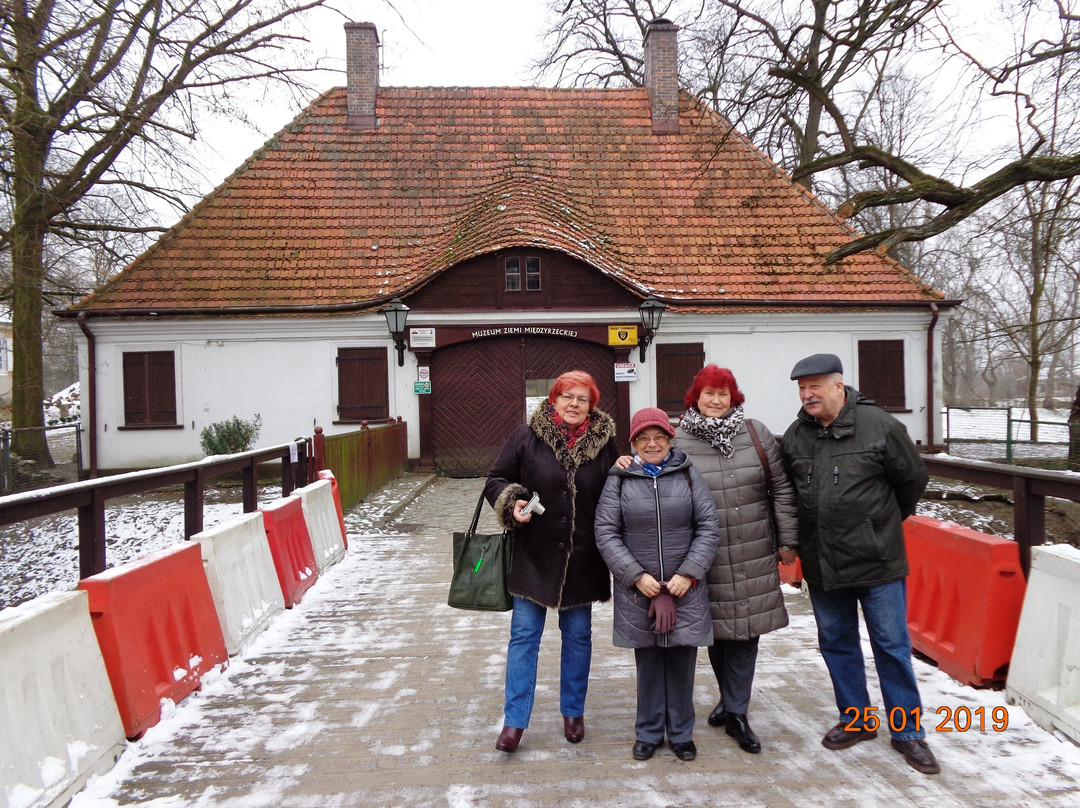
809, 473
835, 475
659, 529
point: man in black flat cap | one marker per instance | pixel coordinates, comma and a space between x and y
858, 476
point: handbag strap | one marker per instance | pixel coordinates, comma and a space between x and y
476, 513
764, 459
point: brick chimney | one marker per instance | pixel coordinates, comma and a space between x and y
662, 75
361, 74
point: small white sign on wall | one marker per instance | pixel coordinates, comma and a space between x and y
625, 372
421, 338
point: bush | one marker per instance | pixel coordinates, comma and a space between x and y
230, 437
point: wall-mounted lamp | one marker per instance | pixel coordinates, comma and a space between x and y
396, 315
651, 310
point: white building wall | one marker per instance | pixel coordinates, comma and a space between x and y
284, 368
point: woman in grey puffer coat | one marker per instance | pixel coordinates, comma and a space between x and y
656, 528
744, 585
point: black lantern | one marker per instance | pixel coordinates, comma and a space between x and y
396, 315
651, 310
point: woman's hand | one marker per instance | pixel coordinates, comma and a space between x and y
648, 586
625, 461
518, 515
788, 555
679, 585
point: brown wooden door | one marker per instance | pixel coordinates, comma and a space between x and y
478, 391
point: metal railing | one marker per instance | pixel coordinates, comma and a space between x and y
1030, 488
89, 496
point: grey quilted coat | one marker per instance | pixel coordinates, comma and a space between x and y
744, 586
663, 525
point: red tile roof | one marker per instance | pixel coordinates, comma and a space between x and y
325, 216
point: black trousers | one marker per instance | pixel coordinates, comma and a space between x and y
733, 663
665, 694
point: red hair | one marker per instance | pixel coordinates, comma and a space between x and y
574, 378
718, 379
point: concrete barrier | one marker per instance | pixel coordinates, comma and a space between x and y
965, 590
320, 513
240, 571
58, 719
157, 629
1045, 675
290, 547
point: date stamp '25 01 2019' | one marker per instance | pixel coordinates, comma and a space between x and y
949, 719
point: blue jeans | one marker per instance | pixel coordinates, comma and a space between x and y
885, 612
526, 629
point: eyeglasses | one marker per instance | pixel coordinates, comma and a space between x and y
645, 440
569, 399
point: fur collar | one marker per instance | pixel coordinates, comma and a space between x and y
587, 447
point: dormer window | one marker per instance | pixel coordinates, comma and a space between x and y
514, 281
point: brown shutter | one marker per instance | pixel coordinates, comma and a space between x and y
676, 366
363, 384
881, 372
149, 387
161, 390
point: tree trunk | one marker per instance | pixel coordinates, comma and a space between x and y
29, 225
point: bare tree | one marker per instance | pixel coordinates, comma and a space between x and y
96, 97
799, 77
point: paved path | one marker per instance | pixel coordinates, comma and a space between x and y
373, 692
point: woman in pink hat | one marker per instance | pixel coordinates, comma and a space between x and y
656, 528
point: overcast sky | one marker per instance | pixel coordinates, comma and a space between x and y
425, 43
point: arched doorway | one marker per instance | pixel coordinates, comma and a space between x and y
479, 390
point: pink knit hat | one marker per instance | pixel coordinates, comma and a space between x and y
650, 416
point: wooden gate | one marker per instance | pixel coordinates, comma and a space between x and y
478, 391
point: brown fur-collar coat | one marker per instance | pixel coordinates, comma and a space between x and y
555, 560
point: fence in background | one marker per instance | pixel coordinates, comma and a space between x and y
997, 429
7, 478
364, 460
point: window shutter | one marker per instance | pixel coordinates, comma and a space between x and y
676, 366
881, 372
149, 388
363, 384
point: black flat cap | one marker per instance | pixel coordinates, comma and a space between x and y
820, 364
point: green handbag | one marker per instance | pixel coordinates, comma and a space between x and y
481, 569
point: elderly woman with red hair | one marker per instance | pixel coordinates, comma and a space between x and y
563, 454
741, 461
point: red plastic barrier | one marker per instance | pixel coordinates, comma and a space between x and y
326, 474
965, 591
290, 547
158, 631
791, 573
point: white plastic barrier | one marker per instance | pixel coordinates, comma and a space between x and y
320, 514
242, 579
1044, 675
58, 718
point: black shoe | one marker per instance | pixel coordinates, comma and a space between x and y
918, 755
718, 717
643, 750
840, 738
685, 750
739, 728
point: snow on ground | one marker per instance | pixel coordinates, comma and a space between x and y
1016, 762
